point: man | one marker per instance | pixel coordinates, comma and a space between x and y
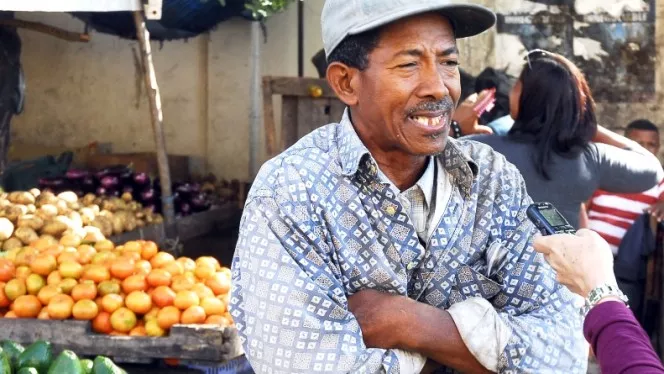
376, 243
611, 215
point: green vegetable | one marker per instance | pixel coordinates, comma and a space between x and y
87, 366
27, 371
12, 350
104, 365
66, 362
38, 355
5, 367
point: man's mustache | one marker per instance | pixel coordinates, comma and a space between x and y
444, 105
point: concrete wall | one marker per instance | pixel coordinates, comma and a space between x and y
79, 93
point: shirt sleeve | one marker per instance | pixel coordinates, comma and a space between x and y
536, 326
619, 342
288, 301
627, 171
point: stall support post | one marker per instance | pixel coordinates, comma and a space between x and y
255, 119
157, 118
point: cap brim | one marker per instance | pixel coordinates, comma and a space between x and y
467, 19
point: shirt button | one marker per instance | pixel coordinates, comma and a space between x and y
390, 210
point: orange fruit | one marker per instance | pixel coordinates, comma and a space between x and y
10, 314
7, 270
70, 240
15, 288
44, 242
122, 267
70, 269
104, 245
84, 291
109, 287
85, 310
218, 283
152, 328
213, 306
22, 272
186, 299
98, 302
67, 285
159, 277
44, 264
54, 278
103, 258
202, 290
112, 302
138, 331
25, 256
27, 306
187, 263
34, 283
194, 315
85, 254
208, 261
148, 250
134, 256
134, 283
161, 259
4, 300
217, 320
68, 257
102, 323
204, 271
43, 314
47, 293
138, 302
123, 320
182, 283
54, 250
97, 273
132, 246
163, 296
152, 314
168, 317
174, 268
60, 306
143, 267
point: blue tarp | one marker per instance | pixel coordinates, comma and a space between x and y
181, 19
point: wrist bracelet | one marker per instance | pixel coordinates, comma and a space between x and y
599, 293
456, 129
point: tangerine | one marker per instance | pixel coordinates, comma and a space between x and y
47, 293
60, 306
163, 296
15, 288
187, 263
138, 302
7, 270
213, 306
27, 306
70, 269
85, 310
138, 331
54, 278
22, 272
44, 264
102, 323
123, 320
186, 299
143, 267
104, 245
67, 285
168, 317
159, 277
84, 291
4, 300
148, 250
122, 267
152, 328
135, 282
194, 315
218, 283
161, 259
112, 302
204, 271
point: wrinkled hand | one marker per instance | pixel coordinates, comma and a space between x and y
657, 211
379, 315
583, 261
467, 118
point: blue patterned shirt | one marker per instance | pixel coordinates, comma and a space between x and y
319, 226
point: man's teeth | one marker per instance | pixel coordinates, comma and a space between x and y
428, 121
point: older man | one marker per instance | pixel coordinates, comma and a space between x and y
377, 242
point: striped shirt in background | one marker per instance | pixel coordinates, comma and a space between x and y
610, 215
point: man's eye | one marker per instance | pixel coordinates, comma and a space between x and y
451, 63
408, 65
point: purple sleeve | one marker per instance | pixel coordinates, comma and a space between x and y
619, 342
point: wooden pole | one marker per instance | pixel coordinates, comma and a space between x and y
46, 29
157, 117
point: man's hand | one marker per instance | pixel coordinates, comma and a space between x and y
381, 317
467, 118
657, 211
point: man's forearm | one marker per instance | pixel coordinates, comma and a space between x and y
433, 333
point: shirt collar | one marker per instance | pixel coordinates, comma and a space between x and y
352, 151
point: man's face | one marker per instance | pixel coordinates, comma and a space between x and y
406, 96
646, 138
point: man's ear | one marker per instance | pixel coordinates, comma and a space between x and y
343, 81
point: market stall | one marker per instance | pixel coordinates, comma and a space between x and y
92, 273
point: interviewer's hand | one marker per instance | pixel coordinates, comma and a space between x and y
583, 261
467, 118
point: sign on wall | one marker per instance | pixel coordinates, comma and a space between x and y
612, 41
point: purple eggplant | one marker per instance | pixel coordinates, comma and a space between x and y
76, 174
200, 203
110, 182
141, 180
101, 191
184, 209
128, 189
147, 196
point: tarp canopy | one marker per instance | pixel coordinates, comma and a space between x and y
70, 5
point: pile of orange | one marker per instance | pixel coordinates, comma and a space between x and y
132, 289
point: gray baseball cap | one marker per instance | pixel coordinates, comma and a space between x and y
342, 18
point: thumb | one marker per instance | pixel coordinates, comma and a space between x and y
472, 99
585, 233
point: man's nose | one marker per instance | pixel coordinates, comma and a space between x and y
432, 84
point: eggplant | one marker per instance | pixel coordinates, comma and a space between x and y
184, 208
200, 203
76, 174
129, 189
141, 180
110, 182
185, 190
114, 171
127, 178
101, 191
147, 195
